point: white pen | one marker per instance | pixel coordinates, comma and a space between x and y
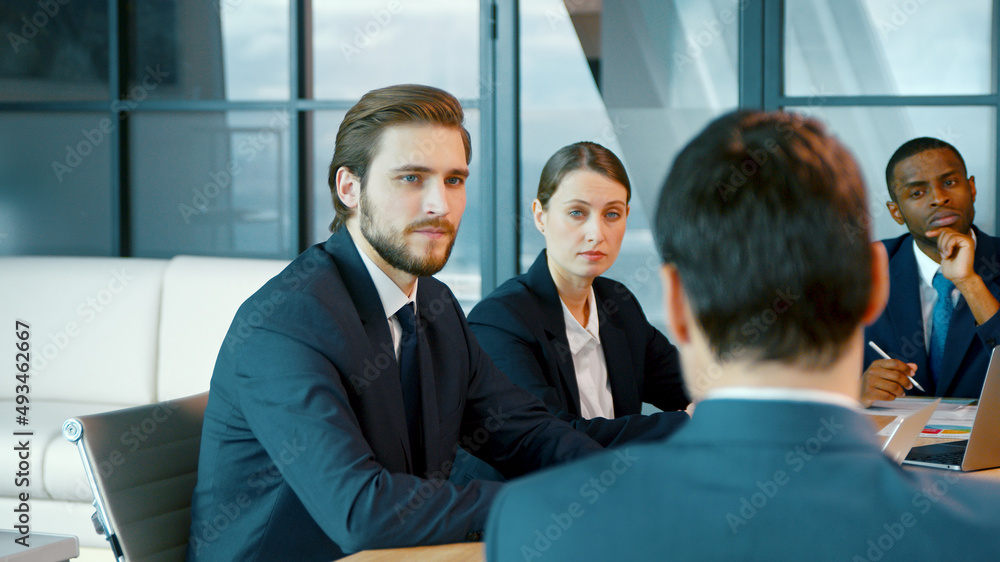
886, 356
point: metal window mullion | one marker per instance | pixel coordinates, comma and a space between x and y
506, 165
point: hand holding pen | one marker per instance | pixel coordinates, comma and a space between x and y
886, 380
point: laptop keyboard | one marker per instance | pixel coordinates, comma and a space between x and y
955, 457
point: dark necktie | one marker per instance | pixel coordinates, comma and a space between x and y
409, 377
939, 327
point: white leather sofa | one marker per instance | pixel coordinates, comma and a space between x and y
104, 334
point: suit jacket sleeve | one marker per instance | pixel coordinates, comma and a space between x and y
292, 393
292, 398
663, 386
508, 339
521, 434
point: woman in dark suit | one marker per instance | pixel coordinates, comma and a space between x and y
578, 341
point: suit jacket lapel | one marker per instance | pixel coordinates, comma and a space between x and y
618, 360
904, 313
383, 392
962, 329
540, 281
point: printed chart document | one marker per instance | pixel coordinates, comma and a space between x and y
951, 420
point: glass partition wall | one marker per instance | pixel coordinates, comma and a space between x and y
155, 129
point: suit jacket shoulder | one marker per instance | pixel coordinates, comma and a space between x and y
738, 478
900, 329
521, 326
305, 432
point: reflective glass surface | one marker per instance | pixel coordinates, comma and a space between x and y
226, 49
664, 69
463, 272
55, 184
874, 133
888, 47
212, 184
366, 44
53, 50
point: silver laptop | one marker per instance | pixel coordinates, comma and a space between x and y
907, 429
982, 450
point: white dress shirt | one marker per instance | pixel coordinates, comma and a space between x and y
783, 394
393, 298
588, 362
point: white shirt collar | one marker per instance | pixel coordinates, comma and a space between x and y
578, 335
393, 298
783, 394
928, 267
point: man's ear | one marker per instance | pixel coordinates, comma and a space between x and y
880, 284
676, 306
348, 187
894, 212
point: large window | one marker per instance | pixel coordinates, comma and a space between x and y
161, 128
194, 127
881, 72
640, 77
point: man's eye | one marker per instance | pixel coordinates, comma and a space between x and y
576, 213
613, 215
410, 178
455, 181
916, 193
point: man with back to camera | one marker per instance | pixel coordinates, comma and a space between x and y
333, 419
777, 463
943, 343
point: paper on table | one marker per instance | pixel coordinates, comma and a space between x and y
951, 420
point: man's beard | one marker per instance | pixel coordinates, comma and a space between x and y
392, 245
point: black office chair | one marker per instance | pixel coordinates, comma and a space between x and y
142, 464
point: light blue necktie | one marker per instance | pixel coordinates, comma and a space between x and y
941, 318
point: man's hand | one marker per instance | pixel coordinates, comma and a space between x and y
958, 253
885, 379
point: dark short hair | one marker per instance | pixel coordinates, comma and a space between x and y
359, 135
580, 156
911, 148
764, 215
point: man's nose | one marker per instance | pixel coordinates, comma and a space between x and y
436, 198
939, 195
